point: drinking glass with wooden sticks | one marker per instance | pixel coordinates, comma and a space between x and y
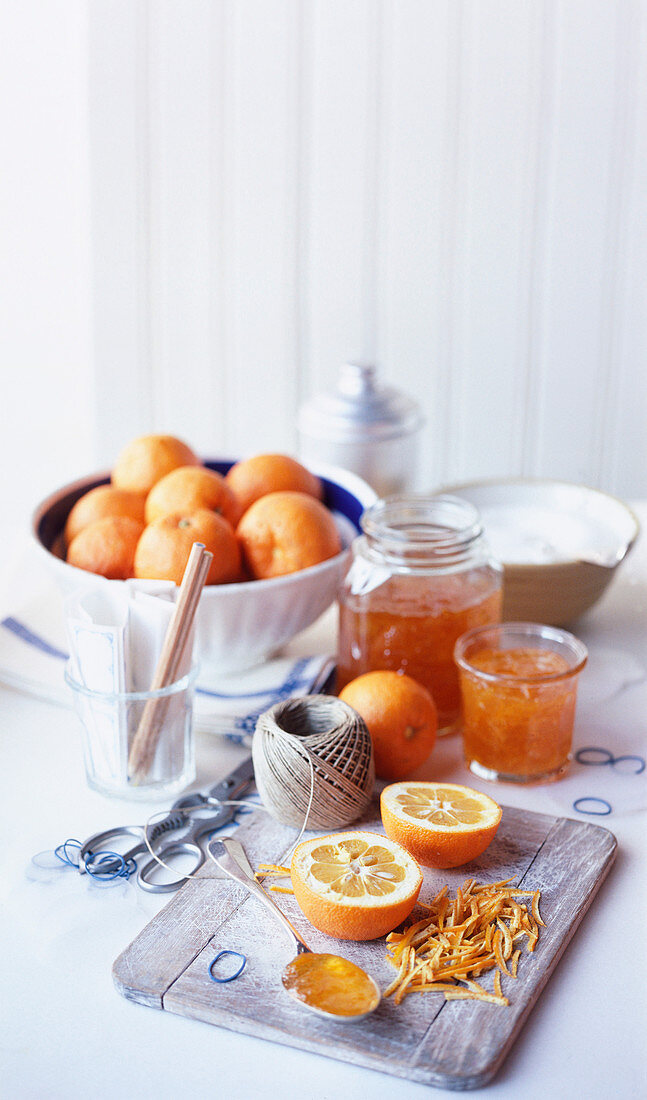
139, 744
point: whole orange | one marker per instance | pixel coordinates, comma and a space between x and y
283, 532
401, 718
104, 500
165, 544
188, 488
143, 461
255, 477
107, 547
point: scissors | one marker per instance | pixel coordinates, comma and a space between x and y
182, 815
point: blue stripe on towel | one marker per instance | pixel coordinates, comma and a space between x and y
293, 681
26, 635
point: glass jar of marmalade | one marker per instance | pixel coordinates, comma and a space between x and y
421, 575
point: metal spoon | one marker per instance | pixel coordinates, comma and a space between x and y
327, 984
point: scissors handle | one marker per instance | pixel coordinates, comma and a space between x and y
221, 814
178, 817
176, 848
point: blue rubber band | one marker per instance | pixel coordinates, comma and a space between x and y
639, 759
129, 868
93, 861
599, 801
220, 955
62, 853
95, 871
607, 757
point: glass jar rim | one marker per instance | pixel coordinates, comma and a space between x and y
440, 524
524, 631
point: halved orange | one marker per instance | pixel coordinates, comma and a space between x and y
355, 885
440, 824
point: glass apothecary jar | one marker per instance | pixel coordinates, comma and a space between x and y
421, 575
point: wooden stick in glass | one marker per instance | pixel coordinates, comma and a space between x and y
144, 744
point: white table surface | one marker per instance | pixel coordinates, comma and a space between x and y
67, 1033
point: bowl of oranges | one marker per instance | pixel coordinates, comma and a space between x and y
279, 534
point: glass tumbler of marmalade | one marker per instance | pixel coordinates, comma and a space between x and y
519, 688
421, 575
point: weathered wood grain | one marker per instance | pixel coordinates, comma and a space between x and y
456, 1045
568, 869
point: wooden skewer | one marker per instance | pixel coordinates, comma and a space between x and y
144, 744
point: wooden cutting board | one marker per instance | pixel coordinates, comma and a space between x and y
454, 1045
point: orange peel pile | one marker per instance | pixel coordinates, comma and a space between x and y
449, 949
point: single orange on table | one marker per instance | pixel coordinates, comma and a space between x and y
165, 544
102, 501
188, 488
401, 718
255, 477
143, 461
441, 824
107, 547
284, 532
355, 885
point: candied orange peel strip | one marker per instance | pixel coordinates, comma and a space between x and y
460, 940
265, 869
274, 870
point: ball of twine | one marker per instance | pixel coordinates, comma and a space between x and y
319, 747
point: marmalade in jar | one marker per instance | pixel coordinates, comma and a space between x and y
420, 578
518, 705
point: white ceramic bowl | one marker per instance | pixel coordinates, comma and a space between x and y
559, 543
238, 625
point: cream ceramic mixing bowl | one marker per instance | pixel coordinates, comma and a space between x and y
559, 543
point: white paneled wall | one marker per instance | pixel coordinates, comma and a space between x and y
46, 399
454, 189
